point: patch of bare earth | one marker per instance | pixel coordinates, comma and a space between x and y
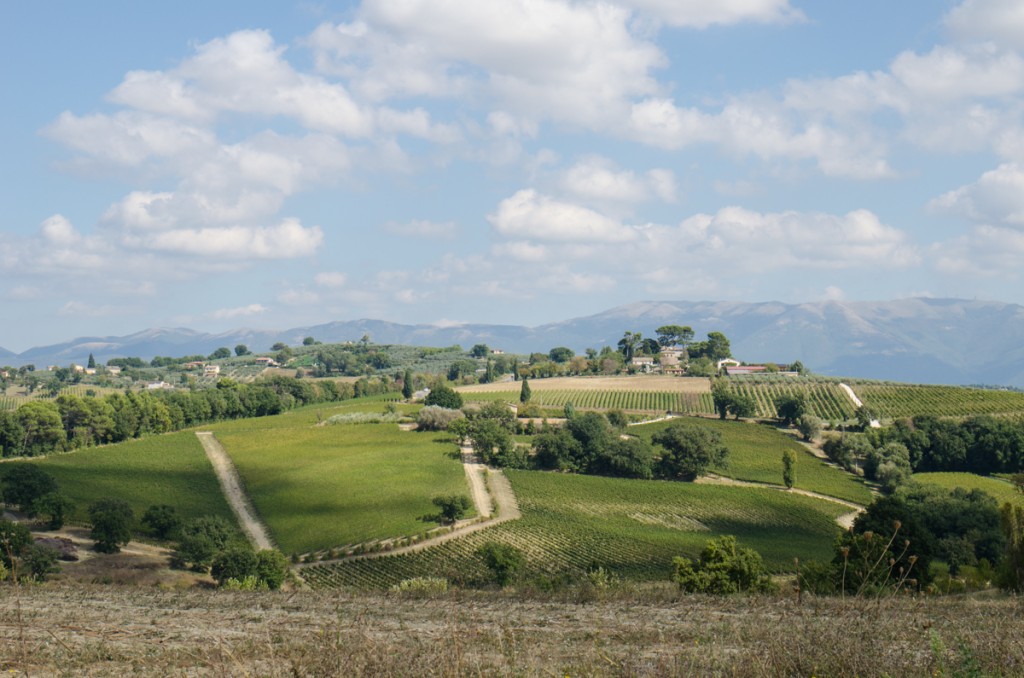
112, 630
653, 382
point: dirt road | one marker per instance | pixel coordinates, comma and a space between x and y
231, 484
845, 521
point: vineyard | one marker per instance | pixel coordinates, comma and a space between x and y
755, 454
825, 398
631, 528
1001, 490
892, 401
646, 401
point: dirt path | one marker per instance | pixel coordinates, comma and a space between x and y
505, 508
231, 484
475, 473
845, 521
857, 403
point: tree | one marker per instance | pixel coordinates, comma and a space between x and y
14, 539
55, 506
41, 561
241, 350
494, 444
790, 407
112, 522
279, 346
221, 353
24, 484
689, 451
722, 397
742, 406
91, 364
435, 418
629, 343
479, 351
451, 507
503, 560
407, 389
201, 540
443, 396
272, 568
672, 335
42, 428
723, 568
524, 391
865, 415
561, 354
235, 562
568, 410
809, 426
1011, 568
162, 520
309, 341
788, 469
717, 347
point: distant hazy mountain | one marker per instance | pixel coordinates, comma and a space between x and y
918, 340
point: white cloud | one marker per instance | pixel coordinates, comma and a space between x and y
986, 252
331, 279
1000, 21
528, 214
238, 312
997, 198
701, 13
596, 178
57, 230
286, 240
422, 228
521, 250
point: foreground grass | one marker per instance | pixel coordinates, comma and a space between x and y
91, 630
169, 469
1002, 490
755, 454
318, 487
631, 528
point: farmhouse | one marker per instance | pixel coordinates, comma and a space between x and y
266, 362
194, 365
113, 369
643, 363
211, 370
740, 370
157, 385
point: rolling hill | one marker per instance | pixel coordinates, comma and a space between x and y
948, 341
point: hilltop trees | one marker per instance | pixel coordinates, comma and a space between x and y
673, 335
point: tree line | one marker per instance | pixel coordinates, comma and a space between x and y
69, 422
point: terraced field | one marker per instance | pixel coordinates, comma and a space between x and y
893, 401
632, 528
755, 454
319, 487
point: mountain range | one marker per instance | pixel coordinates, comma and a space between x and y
920, 340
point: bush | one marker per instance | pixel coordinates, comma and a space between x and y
41, 561
503, 560
236, 562
421, 587
809, 426
723, 567
201, 540
437, 418
14, 539
366, 418
249, 583
272, 568
162, 520
452, 507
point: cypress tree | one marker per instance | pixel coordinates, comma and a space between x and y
524, 391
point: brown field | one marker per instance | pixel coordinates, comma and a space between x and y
123, 630
654, 382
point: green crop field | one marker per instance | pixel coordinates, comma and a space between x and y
755, 454
892, 401
318, 487
632, 528
1002, 490
824, 397
169, 469
641, 401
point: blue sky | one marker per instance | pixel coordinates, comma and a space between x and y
218, 165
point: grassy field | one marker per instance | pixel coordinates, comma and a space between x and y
1002, 490
755, 454
632, 528
169, 469
319, 487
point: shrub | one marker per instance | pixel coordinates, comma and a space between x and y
162, 520
41, 561
451, 507
503, 560
272, 567
723, 567
809, 426
248, 583
436, 418
14, 539
236, 562
421, 587
365, 418
201, 540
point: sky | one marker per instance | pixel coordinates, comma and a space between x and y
275, 165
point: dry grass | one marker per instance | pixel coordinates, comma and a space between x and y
54, 630
652, 382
